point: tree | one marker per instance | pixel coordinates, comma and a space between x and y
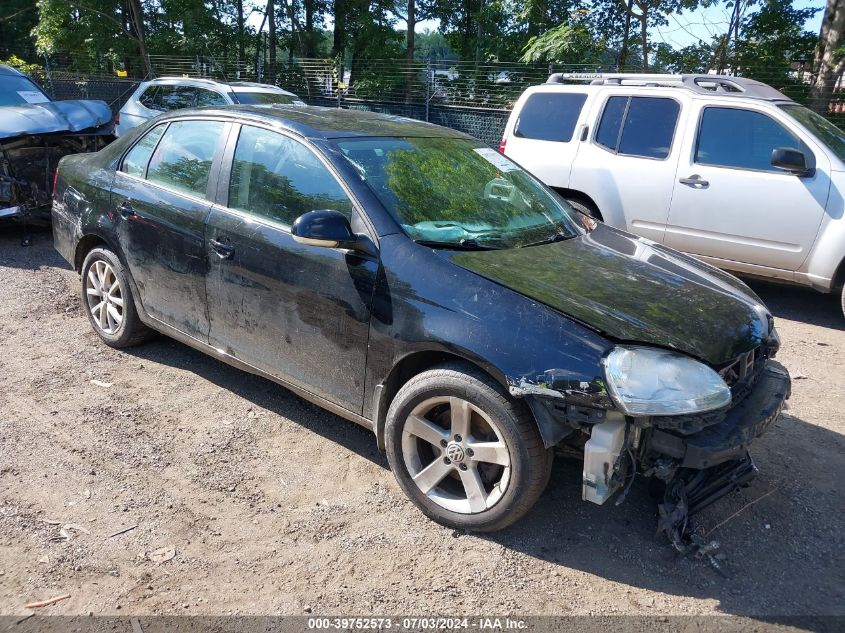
271, 27
829, 59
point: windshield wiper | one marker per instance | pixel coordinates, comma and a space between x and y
557, 237
462, 245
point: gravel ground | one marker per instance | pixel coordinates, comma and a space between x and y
244, 499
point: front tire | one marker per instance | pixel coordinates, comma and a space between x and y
108, 302
469, 456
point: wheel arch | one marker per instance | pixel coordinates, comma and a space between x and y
581, 197
411, 365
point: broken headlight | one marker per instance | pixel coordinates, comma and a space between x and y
652, 381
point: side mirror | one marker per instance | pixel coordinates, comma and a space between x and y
329, 229
791, 160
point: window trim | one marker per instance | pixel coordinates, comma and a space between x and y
630, 97
214, 172
802, 146
221, 199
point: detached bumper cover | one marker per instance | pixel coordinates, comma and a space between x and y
729, 439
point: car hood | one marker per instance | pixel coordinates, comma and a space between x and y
632, 290
54, 116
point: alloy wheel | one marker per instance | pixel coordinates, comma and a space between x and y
104, 296
455, 454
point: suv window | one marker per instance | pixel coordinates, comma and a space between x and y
182, 160
549, 116
639, 126
278, 178
209, 98
730, 137
135, 162
174, 98
148, 98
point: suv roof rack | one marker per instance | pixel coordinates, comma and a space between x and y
700, 83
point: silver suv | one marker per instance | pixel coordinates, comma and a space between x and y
175, 93
724, 168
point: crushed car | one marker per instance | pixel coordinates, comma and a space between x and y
35, 133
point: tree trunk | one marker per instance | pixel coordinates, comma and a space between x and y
271, 24
828, 64
259, 44
411, 20
137, 12
241, 44
339, 40
623, 55
309, 50
644, 33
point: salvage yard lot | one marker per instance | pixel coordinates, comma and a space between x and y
246, 499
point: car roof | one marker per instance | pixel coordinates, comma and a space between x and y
697, 85
226, 86
325, 123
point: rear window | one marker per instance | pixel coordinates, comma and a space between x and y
549, 116
638, 126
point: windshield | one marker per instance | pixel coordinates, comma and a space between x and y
16, 90
457, 193
820, 127
253, 98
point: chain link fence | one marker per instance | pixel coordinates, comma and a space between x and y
475, 98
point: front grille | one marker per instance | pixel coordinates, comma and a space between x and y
740, 369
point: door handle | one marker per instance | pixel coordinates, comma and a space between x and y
225, 251
126, 211
694, 180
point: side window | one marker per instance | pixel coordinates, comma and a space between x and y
548, 116
729, 137
209, 98
136, 160
182, 160
148, 98
647, 125
278, 178
607, 134
175, 97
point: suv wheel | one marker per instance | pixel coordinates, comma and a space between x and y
467, 455
843, 300
108, 302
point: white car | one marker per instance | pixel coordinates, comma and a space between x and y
174, 93
724, 168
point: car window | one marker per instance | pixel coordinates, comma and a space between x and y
175, 97
148, 98
731, 137
182, 160
209, 98
647, 126
549, 116
17, 90
607, 134
135, 162
278, 178
266, 97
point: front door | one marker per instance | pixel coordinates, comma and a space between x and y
730, 203
298, 312
160, 202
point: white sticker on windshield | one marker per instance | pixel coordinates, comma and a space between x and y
33, 96
496, 159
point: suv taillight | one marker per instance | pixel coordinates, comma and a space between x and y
502, 144
55, 179
117, 119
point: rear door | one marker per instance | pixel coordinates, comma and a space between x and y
298, 312
160, 200
730, 203
628, 167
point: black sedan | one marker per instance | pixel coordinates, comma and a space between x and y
419, 283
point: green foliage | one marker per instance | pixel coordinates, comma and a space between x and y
567, 43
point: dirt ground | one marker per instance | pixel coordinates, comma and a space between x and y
245, 499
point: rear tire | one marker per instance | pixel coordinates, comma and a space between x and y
468, 455
108, 301
843, 300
